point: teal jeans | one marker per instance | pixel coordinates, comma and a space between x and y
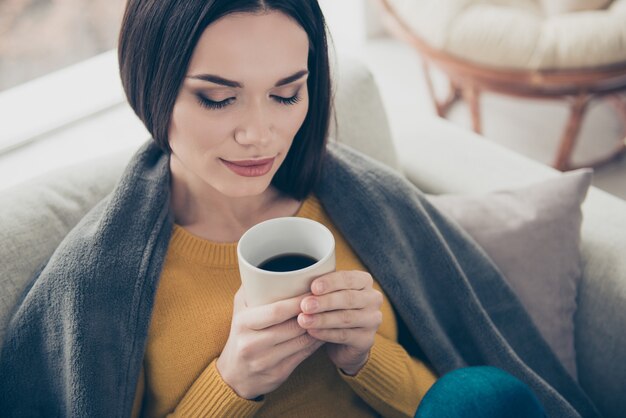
479, 392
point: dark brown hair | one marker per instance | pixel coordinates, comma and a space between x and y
156, 42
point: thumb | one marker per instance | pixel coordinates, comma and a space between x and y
239, 301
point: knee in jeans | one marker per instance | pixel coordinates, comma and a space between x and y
481, 391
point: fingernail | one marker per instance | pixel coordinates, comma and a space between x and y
306, 320
310, 305
318, 287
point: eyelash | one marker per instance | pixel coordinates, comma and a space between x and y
213, 105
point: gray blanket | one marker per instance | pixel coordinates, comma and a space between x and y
75, 344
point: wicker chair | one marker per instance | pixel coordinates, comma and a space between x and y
512, 47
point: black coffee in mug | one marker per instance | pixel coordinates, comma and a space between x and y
287, 262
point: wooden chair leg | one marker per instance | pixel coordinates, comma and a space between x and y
578, 107
471, 94
454, 94
619, 103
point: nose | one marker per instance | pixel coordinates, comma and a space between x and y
256, 127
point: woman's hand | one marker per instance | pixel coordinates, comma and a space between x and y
264, 346
344, 310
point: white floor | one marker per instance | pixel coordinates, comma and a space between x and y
530, 127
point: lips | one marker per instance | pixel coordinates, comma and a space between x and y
250, 168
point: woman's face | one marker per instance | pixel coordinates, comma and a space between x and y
242, 102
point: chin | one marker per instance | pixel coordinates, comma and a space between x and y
248, 190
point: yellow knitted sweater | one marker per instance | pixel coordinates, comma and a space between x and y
190, 325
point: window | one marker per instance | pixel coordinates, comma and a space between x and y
41, 36
61, 100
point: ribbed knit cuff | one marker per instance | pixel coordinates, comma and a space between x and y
210, 396
382, 373
391, 381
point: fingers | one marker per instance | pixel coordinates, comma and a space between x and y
278, 322
303, 343
239, 302
290, 363
265, 344
292, 351
341, 280
358, 338
265, 316
288, 330
343, 309
342, 299
346, 318
342, 290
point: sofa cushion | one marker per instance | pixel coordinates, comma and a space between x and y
50, 205
532, 234
362, 123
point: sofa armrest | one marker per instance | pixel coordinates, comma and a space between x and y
40, 212
600, 321
442, 158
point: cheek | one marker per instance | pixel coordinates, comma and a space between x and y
293, 124
194, 127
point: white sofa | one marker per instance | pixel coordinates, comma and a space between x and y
36, 215
444, 159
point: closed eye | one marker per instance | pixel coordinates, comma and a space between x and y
211, 104
215, 105
287, 100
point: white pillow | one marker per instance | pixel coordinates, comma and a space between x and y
532, 234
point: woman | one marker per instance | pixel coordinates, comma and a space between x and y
139, 312
243, 99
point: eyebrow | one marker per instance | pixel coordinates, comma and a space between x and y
230, 83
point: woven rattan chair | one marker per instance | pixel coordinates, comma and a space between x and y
512, 47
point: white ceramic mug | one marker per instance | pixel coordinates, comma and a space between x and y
280, 236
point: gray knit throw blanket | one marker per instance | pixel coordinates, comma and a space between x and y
75, 344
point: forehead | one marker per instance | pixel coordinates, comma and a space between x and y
248, 47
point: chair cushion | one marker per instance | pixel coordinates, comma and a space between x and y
557, 7
517, 34
532, 234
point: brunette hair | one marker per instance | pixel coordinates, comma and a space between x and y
156, 42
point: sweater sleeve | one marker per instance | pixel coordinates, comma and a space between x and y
391, 381
210, 396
